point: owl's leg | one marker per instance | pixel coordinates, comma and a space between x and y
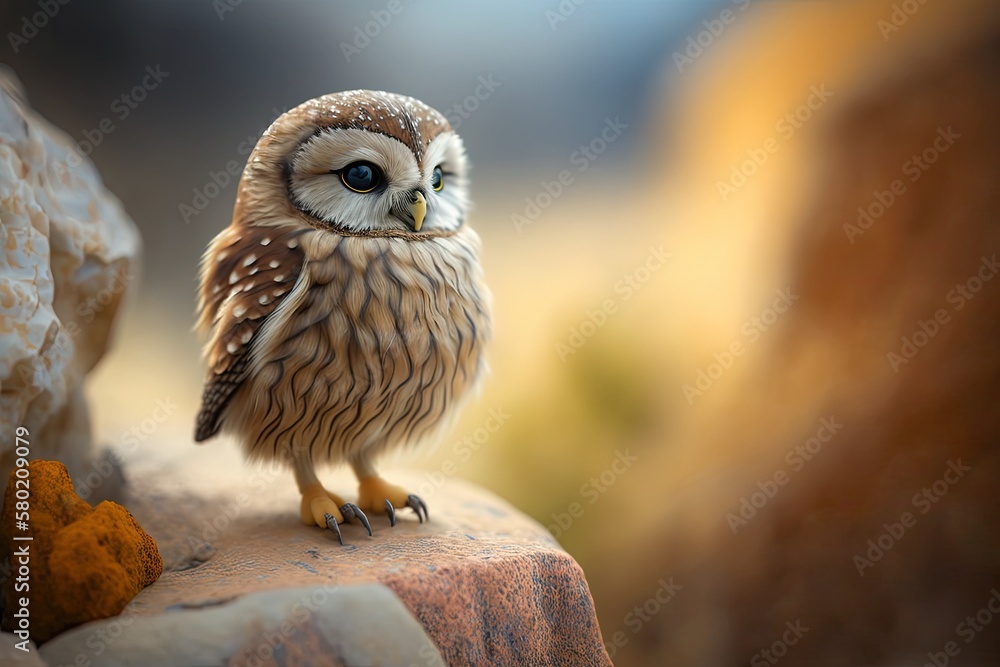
319, 506
377, 495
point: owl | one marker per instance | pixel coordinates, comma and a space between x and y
344, 306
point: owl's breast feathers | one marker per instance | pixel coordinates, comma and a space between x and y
346, 344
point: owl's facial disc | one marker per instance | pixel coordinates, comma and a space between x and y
361, 181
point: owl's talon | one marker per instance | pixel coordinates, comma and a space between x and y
414, 502
377, 495
352, 511
391, 511
331, 523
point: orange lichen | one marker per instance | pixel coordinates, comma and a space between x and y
85, 563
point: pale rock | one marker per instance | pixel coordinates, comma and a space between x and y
329, 625
17, 652
485, 584
69, 253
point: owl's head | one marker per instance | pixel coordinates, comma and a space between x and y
361, 161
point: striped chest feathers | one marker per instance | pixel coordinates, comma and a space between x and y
376, 320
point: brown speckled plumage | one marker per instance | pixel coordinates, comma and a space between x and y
332, 341
253, 270
378, 340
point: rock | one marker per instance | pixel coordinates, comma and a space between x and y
85, 563
69, 254
15, 657
488, 585
328, 626
883, 538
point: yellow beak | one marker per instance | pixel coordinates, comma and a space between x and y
418, 209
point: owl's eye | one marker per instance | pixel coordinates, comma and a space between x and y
437, 180
361, 176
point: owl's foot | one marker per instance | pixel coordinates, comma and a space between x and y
377, 495
328, 510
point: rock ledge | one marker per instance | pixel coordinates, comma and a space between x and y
480, 584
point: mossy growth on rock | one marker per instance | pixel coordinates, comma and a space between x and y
85, 562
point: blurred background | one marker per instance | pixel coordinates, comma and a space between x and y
753, 330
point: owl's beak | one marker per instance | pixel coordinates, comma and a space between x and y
418, 209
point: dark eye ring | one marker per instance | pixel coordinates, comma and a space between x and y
437, 180
361, 176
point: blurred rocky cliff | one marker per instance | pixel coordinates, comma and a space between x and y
834, 501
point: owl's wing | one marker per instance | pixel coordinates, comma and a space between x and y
246, 273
